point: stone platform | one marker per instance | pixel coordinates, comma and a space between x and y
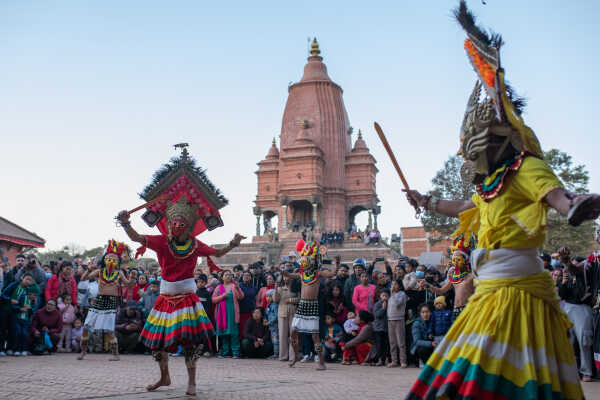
249, 253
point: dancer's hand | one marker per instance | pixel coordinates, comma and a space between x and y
415, 198
237, 239
123, 217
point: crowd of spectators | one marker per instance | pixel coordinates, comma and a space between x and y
376, 313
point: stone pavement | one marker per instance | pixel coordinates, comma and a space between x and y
61, 376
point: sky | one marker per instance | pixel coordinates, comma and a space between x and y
94, 94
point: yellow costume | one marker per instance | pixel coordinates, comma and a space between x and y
510, 342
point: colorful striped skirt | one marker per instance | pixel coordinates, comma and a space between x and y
176, 320
510, 342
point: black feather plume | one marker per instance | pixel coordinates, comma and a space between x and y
467, 20
518, 102
175, 163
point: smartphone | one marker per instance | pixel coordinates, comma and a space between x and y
379, 259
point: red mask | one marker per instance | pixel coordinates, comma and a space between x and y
178, 226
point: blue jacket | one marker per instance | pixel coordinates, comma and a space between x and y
338, 332
440, 322
248, 303
419, 335
271, 314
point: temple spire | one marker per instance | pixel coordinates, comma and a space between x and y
314, 48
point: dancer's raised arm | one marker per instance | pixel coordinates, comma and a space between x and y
449, 208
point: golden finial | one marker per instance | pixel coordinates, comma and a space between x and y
314, 48
274, 141
359, 134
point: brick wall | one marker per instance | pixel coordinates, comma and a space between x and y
416, 241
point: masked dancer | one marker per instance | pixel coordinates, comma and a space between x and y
459, 275
178, 317
307, 317
511, 340
103, 313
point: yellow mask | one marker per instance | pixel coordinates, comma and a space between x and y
111, 261
458, 260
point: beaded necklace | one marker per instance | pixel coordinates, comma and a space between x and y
106, 278
309, 278
183, 249
491, 185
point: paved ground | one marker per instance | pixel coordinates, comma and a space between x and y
62, 377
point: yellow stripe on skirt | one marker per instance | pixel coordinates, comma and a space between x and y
512, 329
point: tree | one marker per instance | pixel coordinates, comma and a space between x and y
447, 184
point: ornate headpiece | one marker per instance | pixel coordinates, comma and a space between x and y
117, 248
312, 250
463, 245
499, 113
186, 191
183, 209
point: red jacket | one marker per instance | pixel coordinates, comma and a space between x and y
52, 289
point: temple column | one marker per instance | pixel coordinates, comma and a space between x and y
375, 220
258, 225
314, 214
370, 223
284, 217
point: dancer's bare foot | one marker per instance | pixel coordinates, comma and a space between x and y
114, 358
163, 381
80, 357
191, 390
321, 367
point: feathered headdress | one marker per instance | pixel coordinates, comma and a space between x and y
312, 250
186, 189
117, 248
463, 245
483, 51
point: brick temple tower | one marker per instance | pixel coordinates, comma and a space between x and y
317, 177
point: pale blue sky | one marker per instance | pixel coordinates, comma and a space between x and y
94, 93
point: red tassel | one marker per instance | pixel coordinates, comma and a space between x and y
140, 251
212, 267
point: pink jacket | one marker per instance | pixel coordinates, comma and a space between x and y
363, 298
68, 313
217, 297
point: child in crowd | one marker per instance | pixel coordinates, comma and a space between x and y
65, 306
380, 327
333, 336
23, 315
148, 298
76, 333
15, 296
396, 310
205, 296
441, 319
271, 320
350, 326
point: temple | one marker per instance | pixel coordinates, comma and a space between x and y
317, 181
316, 178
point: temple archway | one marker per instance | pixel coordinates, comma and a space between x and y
301, 214
270, 221
359, 216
